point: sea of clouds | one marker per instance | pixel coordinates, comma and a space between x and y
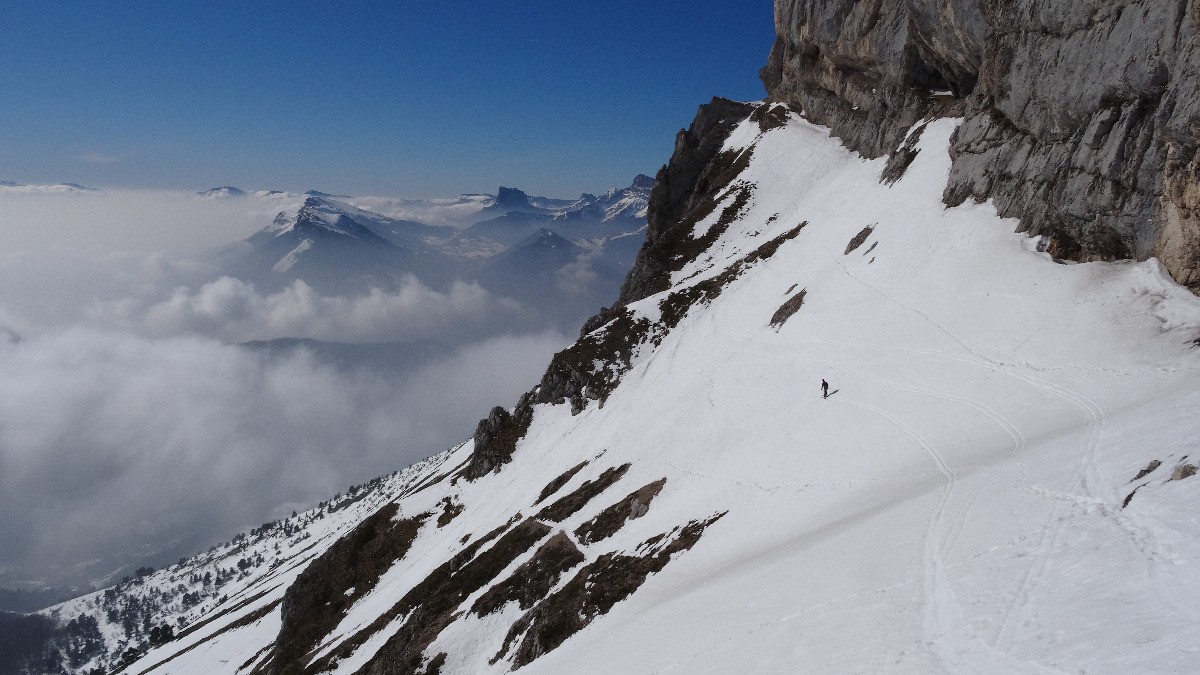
134, 428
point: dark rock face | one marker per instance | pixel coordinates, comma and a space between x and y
562, 509
643, 182
1150, 468
326, 589
858, 239
1081, 116
555, 485
429, 606
611, 519
690, 177
1184, 471
593, 591
533, 580
496, 438
788, 309
853, 66
512, 198
902, 157
1076, 129
573, 374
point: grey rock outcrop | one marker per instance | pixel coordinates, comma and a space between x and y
1184, 471
1082, 117
689, 177
496, 438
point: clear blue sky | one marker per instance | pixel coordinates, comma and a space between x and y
397, 98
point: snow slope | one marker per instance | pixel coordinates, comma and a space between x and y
955, 505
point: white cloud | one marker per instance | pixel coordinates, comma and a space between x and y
234, 311
127, 420
454, 212
579, 276
139, 221
111, 442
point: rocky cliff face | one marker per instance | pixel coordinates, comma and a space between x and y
684, 191
1081, 116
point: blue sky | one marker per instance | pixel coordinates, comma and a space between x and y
396, 98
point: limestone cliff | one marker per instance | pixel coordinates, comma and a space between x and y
1081, 116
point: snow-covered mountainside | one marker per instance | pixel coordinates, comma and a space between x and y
328, 244
1000, 480
630, 202
15, 187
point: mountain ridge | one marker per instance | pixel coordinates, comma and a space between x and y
670, 463
1000, 479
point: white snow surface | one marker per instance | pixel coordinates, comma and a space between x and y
293, 256
12, 187
325, 213
956, 504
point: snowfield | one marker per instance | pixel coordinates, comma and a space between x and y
960, 503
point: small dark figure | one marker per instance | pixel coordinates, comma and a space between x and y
824, 389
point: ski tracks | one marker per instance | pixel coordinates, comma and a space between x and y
946, 631
1017, 614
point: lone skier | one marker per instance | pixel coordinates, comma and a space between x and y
824, 389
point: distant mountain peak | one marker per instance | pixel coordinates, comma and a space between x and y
77, 186
222, 191
321, 214
58, 187
615, 203
512, 198
642, 182
544, 236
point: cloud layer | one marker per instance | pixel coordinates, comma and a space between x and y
234, 311
115, 446
134, 430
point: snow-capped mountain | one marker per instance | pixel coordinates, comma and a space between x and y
630, 202
15, 187
328, 244
589, 217
322, 217
336, 247
1000, 479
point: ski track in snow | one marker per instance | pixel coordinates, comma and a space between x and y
1016, 614
943, 614
1018, 439
1015, 617
970, 652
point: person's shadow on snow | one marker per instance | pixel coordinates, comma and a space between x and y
831, 393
